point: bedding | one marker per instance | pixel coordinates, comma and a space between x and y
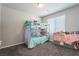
36, 41
66, 38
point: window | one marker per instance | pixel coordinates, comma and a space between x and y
57, 24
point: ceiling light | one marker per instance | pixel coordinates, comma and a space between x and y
40, 5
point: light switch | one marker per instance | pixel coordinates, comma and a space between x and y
0, 43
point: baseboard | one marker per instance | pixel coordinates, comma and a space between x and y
11, 45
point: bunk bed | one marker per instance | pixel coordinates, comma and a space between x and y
35, 33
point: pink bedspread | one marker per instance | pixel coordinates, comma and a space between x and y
68, 39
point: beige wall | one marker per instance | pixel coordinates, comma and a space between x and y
72, 18
12, 25
0, 24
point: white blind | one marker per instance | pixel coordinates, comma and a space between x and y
57, 24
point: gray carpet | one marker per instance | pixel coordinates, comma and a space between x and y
47, 49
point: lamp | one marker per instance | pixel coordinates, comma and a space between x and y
39, 5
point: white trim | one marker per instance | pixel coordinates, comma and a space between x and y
11, 45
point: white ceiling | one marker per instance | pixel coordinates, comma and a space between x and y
32, 8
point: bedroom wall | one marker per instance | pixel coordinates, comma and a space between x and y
0, 24
72, 18
12, 25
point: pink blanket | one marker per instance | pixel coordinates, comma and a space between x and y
68, 39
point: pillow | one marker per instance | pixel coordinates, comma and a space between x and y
43, 32
67, 33
63, 33
38, 34
77, 32
71, 32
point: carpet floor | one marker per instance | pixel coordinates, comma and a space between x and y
47, 49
